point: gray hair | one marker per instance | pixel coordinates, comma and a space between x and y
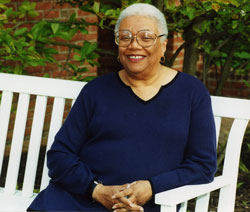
143, 9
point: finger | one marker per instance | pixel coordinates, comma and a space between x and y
126, 203
132, 198
130, 184
118, 206
124, 193
121, 210
135, 207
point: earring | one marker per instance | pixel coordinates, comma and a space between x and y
163, 59
118, 59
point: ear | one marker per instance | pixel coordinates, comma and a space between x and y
164, 46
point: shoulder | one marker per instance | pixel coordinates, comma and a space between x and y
192, 84
101, 83
100, 87
193, 89
102, 80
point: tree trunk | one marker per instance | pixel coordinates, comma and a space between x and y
225, 71
191, 53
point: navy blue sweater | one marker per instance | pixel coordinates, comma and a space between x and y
117, 137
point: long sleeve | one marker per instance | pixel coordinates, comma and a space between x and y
65, 166
199, 164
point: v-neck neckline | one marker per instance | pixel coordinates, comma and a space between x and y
153, 97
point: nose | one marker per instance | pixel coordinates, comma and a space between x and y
134, 43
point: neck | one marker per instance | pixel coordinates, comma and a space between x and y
143, 79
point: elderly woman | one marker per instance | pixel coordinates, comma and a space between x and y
134, 133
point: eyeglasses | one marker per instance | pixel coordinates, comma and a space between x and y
144, 38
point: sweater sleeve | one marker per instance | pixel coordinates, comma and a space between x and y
199, 163
65, 166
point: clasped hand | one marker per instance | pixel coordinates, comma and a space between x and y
123, 198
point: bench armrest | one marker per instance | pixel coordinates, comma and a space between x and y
178, 195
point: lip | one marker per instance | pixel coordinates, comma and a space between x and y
135, 57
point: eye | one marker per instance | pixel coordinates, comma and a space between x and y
147, 39
125, 38
146, 36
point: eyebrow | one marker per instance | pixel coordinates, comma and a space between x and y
137, 31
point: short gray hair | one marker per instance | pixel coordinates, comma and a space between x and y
143, 9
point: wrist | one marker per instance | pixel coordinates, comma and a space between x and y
96, 191
92, 186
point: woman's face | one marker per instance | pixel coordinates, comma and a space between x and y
134, 58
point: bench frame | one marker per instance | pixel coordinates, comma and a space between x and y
12, 199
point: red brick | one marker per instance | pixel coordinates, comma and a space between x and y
59, 39
78, 37
90, 37
51, 67
29, 26
245, 93
44, 5
62, 6
230, 93
32, 70
63, 49
92, 29
60, 57
91, 19
81, 13
238, 85
51, 14
66, 13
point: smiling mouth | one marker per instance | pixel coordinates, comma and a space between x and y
135, 58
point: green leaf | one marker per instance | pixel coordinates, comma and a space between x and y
89, 78
38, 28
46, 75
33, 13
84, 31
189, 12
77, 57
2, 6
20, 31
72, 17
84, 69
197, 29
3, 17
64, 35
215, 53
243, 167
242, 55
55, 27
73, 66
234, 24
96, 7
4, 1
51, 51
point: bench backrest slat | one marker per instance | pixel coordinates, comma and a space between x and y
217, 121
40, 86
55, 124
34, 146
230, 107
202, 203
5, 109
17, 143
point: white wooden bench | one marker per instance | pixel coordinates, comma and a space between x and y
12, 198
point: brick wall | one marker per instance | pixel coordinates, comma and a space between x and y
50, 10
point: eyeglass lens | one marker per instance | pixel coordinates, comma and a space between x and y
144, 38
